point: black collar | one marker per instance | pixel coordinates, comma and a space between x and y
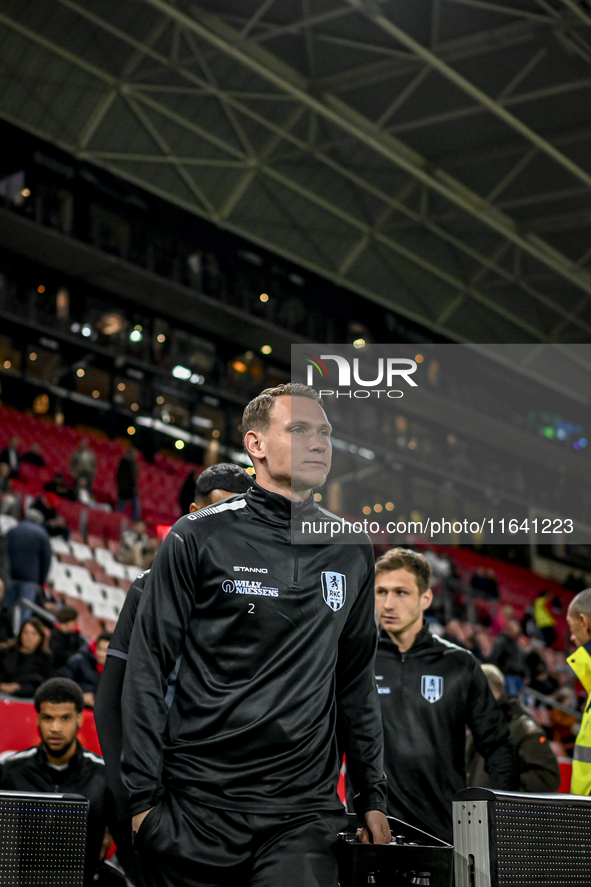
72, 764
423, 640
275, 508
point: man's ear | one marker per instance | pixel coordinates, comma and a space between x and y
254, 443
426, 599
586, 620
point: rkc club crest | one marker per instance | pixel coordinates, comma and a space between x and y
431, 687
334, 589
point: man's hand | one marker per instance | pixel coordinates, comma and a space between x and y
9, 688
88, 700
376, 824
138, 819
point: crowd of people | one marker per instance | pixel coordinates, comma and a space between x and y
76, 486
242, 668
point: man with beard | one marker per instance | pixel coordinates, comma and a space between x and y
61, 764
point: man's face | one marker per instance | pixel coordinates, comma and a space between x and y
100, 652
296, 445
58, 724
399, 605
579, 625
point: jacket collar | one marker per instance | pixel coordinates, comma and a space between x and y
276, 509
72, 764
423, 641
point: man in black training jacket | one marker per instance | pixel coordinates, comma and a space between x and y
61, 764
430, 690
213, 484
236, 783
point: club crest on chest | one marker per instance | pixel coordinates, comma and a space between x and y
431, 687
334, 589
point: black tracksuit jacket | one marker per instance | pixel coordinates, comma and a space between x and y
274, 682
107, 706
424, 741
29, 771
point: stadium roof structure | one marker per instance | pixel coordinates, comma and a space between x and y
432, 155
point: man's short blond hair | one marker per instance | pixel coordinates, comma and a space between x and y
257, 413
406, 559
495, 677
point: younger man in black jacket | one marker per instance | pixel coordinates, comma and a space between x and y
60, 764
430, 690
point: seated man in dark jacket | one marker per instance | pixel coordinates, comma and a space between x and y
61, 764
85, 667
65, 639
538, 767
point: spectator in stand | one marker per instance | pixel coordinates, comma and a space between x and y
137, 547
501, 618
439, 563
82, 492
544, 617
9, 503
491, 586
59, 486
29, 556
85, 667
24, 663
10, 455
541, 680
454, 633
61, 763
65, 639
484, 583
83, 463
6, 632
509, 657
537, 764
34, 456
127, 476
53, 522
5, 484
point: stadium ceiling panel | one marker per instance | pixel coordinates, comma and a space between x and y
432, 155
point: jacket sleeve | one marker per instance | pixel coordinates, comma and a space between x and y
161, 623
359, 722
107, 716
107, 706
490, 732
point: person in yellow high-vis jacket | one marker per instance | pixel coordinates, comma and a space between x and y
579, 621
